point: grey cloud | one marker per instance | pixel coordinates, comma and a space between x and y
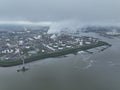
55, 10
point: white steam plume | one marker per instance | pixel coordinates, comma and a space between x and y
56, 27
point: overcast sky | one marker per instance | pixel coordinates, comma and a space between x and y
58, 10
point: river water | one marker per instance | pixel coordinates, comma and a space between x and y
97, 71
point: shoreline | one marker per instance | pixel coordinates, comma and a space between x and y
52, 55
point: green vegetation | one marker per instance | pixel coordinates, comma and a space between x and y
50, 55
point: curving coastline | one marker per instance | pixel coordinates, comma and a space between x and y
50, 55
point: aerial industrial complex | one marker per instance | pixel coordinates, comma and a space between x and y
27, 43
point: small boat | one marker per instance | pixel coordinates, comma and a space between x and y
23, 69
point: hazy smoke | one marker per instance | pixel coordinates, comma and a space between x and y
70, 25
73, 25
56, 27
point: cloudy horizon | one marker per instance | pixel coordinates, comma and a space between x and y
86, 11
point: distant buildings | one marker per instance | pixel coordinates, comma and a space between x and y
113, 32
32, 41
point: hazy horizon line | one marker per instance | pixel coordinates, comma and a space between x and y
58, 23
